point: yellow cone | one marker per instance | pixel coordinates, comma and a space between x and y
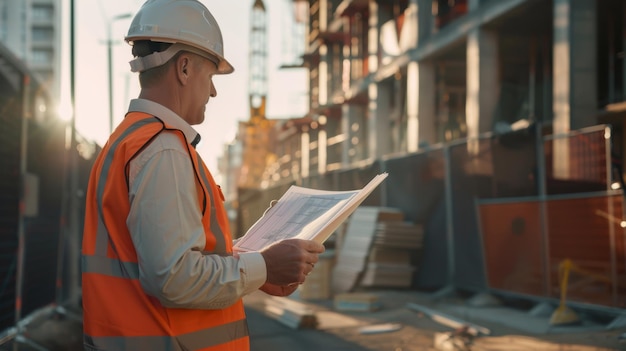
564, 315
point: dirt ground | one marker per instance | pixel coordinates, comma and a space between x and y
421, 332
412, 330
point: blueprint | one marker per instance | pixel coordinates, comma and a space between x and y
306, 214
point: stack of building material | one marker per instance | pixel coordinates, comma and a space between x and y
359, 302
389, 263
377, 250
355, 246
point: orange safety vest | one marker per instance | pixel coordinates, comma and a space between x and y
118, 314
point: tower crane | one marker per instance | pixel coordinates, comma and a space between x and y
258, 138
258, 60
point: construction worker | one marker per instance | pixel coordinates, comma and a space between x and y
159, 272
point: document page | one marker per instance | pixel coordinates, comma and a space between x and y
306, 214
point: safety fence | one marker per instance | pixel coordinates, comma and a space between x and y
502, 213
577, 219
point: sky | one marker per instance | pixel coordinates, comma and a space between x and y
287, 89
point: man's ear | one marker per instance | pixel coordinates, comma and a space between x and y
183, 67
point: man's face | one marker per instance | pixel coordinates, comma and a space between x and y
202, 88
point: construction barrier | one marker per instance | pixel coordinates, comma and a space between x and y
502, 212
578, 219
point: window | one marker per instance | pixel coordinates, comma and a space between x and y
42, 12
41, 56
42, 34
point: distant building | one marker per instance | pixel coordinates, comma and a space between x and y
31, 29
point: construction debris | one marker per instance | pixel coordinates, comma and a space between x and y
380, 328
453, 322
291, 313
453, 341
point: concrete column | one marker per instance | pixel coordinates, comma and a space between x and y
354, 124
483, 81
335, 140
425, 20
322, 144
574, 92
305, 147
372, 37
346, 122
379, 140
420, 105
323, 76
323, 18
378, 123
575, 49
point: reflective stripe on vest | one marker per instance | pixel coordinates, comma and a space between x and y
194, 341
110, 266
220, 245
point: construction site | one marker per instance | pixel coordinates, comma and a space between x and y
501, 224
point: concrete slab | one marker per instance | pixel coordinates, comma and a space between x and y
542, 310
516, 319
618, 322
484, 300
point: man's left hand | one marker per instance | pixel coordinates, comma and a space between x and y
278, 290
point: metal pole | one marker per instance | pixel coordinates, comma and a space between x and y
21, 234
543, 210
61, 292
72, 236
449, 200
532, 79
611, 211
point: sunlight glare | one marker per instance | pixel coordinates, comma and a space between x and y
65, 111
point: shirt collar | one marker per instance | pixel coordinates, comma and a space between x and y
166, 115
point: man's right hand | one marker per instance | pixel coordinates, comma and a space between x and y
289, 261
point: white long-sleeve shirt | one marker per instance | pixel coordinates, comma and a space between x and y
165, 223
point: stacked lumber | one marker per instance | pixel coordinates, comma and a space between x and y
359, 302
376, 250
389, 263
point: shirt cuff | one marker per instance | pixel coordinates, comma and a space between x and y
252, 268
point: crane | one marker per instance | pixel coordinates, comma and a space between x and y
258, 60
258, 136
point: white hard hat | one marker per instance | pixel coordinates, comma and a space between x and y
186, 23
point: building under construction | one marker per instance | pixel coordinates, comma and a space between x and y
499, 123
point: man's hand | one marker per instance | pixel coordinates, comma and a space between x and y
289, 261
277, 290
